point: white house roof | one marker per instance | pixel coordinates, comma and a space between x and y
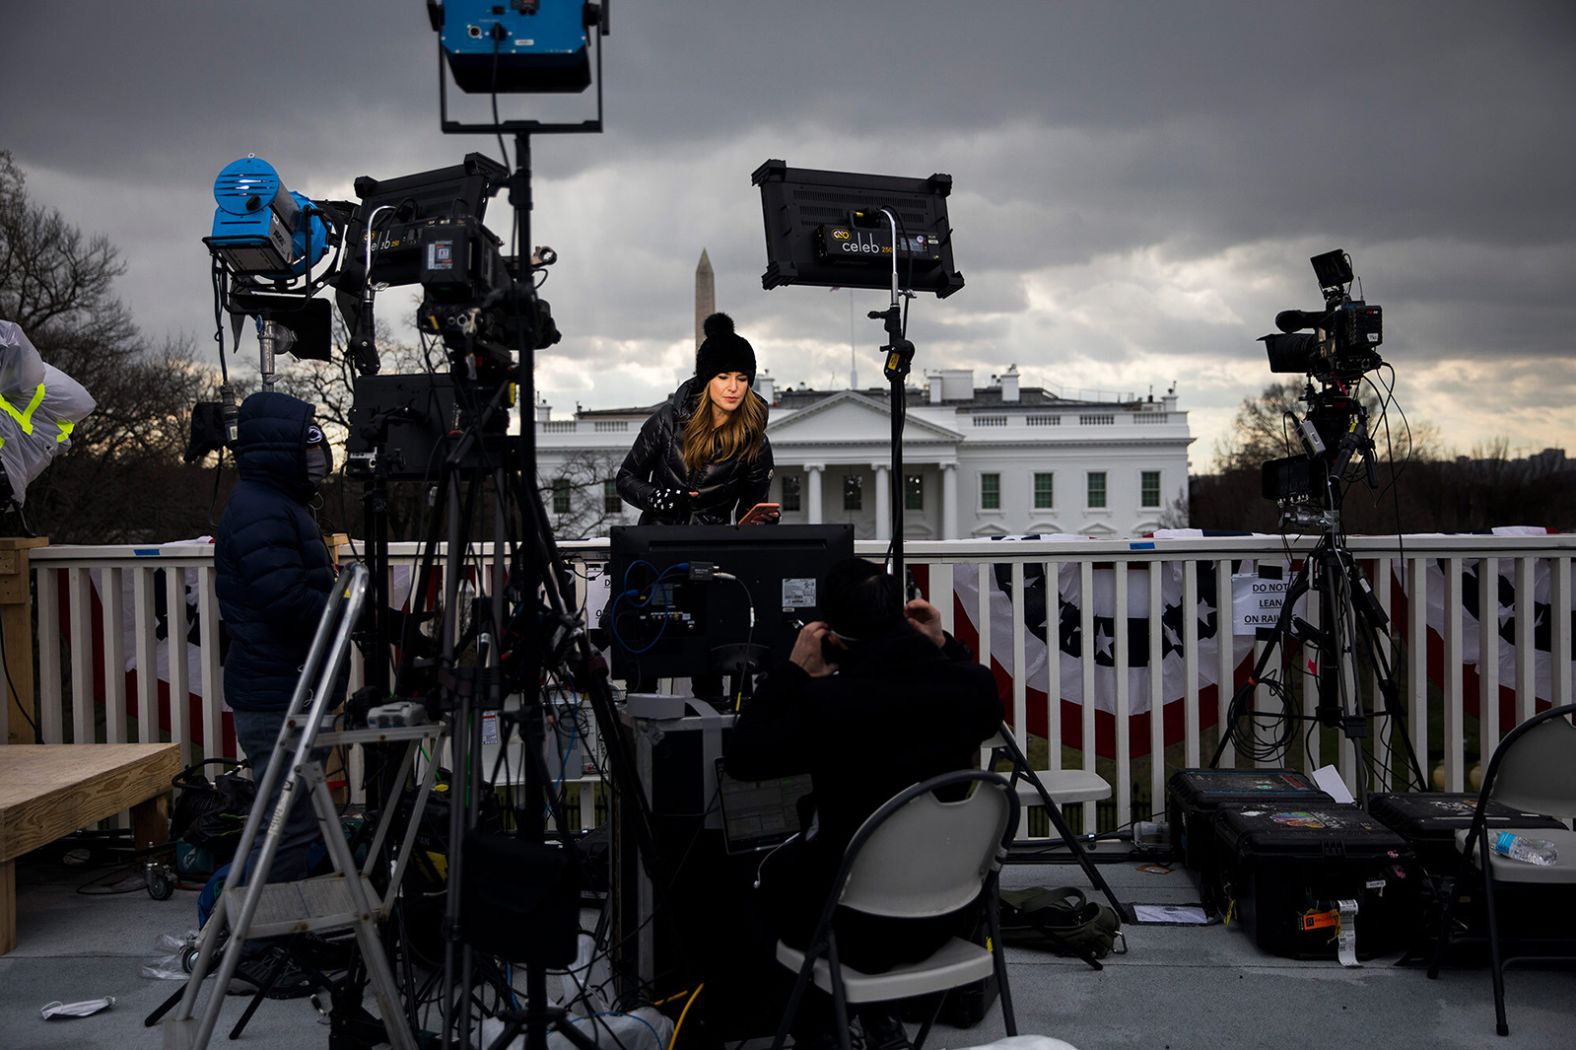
849, 417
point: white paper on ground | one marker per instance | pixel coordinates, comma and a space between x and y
1171, 914
1328, 778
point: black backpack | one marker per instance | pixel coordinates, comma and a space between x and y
210, 815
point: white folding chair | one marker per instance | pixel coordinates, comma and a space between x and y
916, 857
1533, 770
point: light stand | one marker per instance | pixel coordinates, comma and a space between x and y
839, 229
899, 360
537, 568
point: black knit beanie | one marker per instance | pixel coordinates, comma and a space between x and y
723, 350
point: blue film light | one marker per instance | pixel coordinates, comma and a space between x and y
262, 229
520, 46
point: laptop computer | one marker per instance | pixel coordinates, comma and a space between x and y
759, 815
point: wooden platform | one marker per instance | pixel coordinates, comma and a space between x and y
51, 790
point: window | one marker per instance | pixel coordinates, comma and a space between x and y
990, 492
560, 495
1044, 491
1149, 489
853, 492
611, 503
1096, 489
913, 492
792, 487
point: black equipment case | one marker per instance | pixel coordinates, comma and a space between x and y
1284, 870
1194, 795
1429, 822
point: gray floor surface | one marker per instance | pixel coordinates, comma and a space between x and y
1176, 988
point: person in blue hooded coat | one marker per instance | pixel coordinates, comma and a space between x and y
273, 578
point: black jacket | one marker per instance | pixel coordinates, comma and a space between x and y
656, 461
899, 711
272, 571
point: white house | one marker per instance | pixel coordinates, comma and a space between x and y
977, 461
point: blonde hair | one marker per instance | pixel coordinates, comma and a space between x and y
741, 435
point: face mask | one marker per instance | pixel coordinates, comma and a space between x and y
86, 1008
319, 464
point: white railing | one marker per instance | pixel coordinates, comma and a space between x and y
111, 596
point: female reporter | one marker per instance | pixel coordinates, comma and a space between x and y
703, 458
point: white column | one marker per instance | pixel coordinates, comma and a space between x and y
812, 484
883, 500
949, 501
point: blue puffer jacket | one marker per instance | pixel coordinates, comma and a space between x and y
273, 573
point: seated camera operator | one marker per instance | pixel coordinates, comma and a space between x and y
906, 703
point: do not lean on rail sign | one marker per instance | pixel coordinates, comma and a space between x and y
1256, 602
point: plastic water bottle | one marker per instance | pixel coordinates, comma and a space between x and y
1522, 848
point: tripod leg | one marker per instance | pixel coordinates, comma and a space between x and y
257, 998
1384, 674
1020, 763
1294, 592
1085, 862
164, 1007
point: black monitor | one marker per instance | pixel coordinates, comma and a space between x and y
404, 427
826, 228
666, 620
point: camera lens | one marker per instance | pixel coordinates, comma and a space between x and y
1291, 353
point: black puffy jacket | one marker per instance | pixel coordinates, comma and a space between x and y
272, 571
656, 461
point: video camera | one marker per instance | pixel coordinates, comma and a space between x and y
1334, 429
1347, 332
427, 229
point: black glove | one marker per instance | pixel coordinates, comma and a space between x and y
672, 501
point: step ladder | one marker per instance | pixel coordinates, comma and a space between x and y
346, 899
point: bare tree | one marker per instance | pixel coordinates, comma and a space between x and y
1260, 429
122, 478
1263, 427
579, 498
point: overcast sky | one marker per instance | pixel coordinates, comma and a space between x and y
1137, 186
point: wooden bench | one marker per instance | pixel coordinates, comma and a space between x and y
51, 790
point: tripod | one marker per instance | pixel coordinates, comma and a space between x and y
515, 641
1352, 623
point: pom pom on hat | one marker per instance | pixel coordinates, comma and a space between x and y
723, 350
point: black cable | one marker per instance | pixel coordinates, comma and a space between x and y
665, 897
125, 882
220, 287
1241, 711
30, 717
493, 90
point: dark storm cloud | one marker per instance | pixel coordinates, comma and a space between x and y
1130, 179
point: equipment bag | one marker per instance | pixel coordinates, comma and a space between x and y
209, 815
1061, 920
520, 900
